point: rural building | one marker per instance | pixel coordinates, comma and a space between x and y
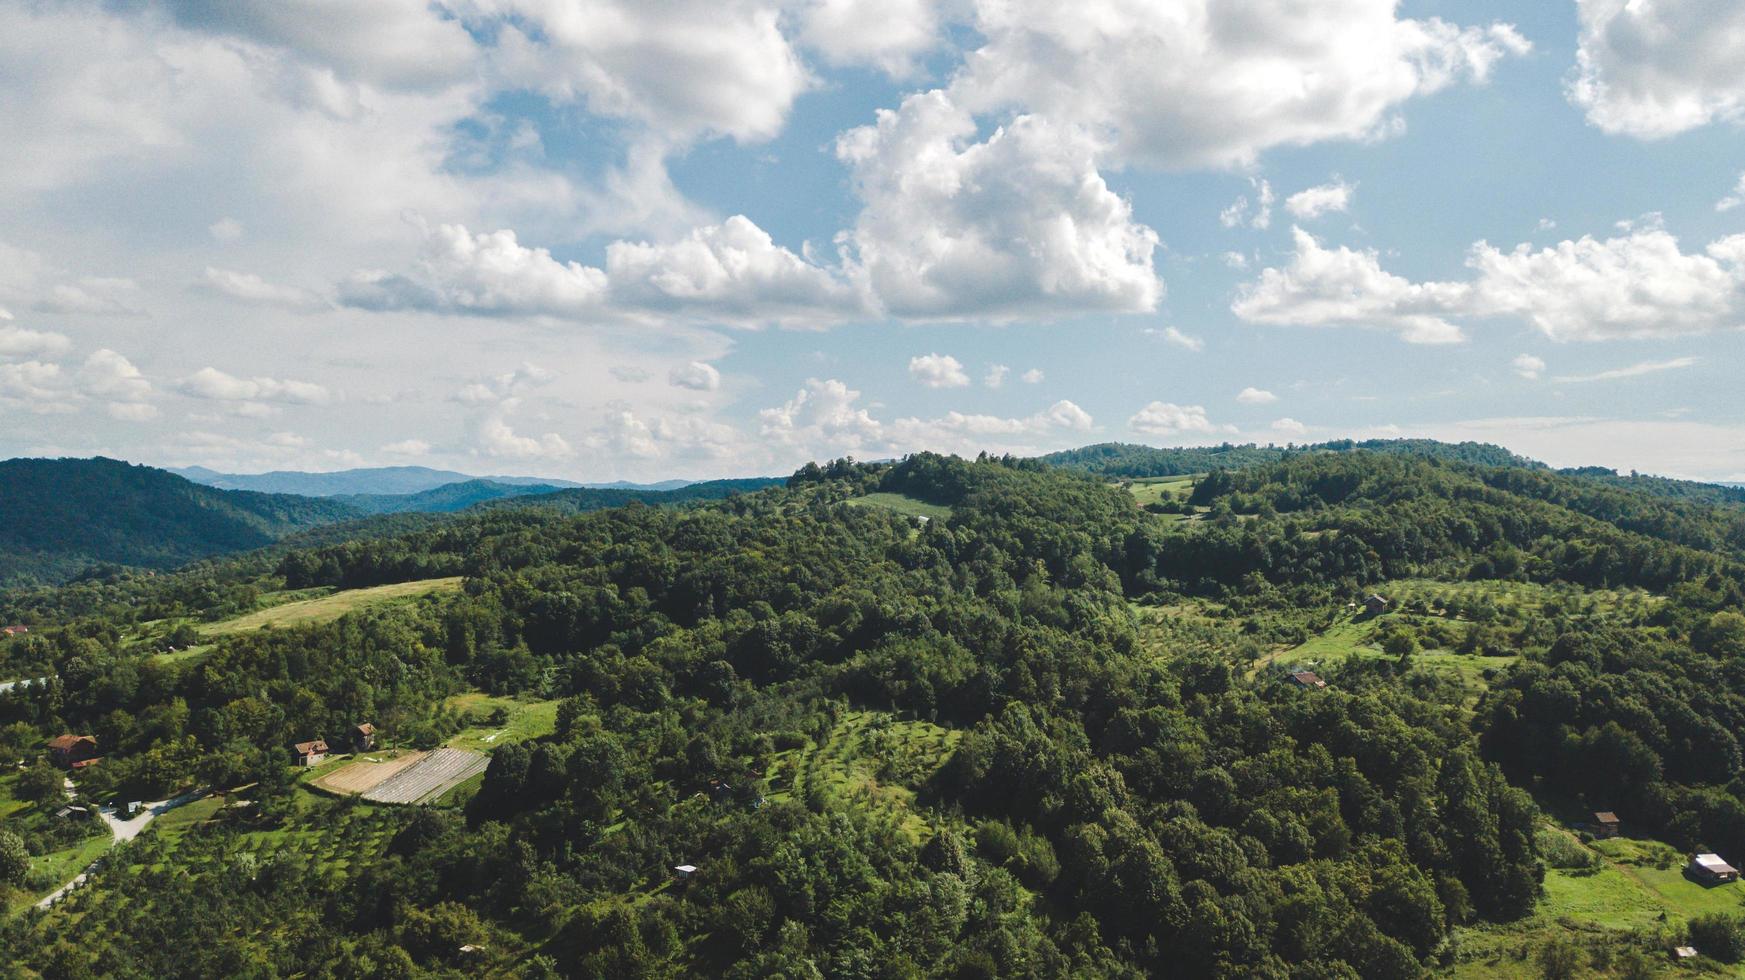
310, 753
84, 764
1308, 679
683, 871
1606, 824
1711, 870
15, 630
363, 737
1375, 605
70, 750
1684, 952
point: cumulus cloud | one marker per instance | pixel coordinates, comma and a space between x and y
1735, 199
1290, 427
497, 439
251, 288
110, 376
825, 419
685, 69
490, 273
1313, 202
823, 413
1529, 367
1175, 337
1343, 287
996, 375
938, 371
1020, 223
91, 296
19, 342
1207, 83
36, 387
1032, 377
1255, 396
1636, 285
215, 385
889, 35
1165, 419
1636, 370
226, 230
730, 271
1653, 70
1255, 214
696, 375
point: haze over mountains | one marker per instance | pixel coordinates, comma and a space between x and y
380, 480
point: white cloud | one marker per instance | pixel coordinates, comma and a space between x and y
251, 288
1309, 204
685, 68
938, 371
91, 296
885, 34
497, 439
1637, 285
1175, 337
1529, 367
696, 375
215, 385
1235, 260
1289, 427
226, 230
1255, 396
1255, 214
132, 411
36, 387
1633, 371
1735, 199
407, 447
1546, 224
108, 375
1655, 69
996, 375
19, 342
1342, 287
490, 273
823, 413
733, 272
1032, 377
1018, 224
1164, 419
1197, 83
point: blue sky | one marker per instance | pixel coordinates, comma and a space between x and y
598, 239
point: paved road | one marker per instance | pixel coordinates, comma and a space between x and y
122, 830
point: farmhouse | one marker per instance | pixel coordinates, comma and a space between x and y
70, 750
1375, 605
310, 753
363, 737
1308, 679
1606, 824
1710, 869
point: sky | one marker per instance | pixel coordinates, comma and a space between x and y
642, 239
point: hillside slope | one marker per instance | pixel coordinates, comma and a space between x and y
444, 499
379, 480
61, 516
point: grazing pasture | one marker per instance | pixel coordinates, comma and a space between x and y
902, 505
329, 607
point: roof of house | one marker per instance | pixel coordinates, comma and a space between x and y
684, 868
1308, 677
1684, 952
66, 742
1377, 598
86, 763
1714, 863
365, 729
1605, 816
15, 629
307, 748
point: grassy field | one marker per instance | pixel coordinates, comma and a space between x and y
523, 720
902, 505
1355, 638
870, 759
1628, 899
1154, 490
326, 608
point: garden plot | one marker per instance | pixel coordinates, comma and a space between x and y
367, 773
431, 776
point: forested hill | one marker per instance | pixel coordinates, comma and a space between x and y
1117, 459
443, 499
1045, 732
581, 500
59, 516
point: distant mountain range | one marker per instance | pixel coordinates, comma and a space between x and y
61, 517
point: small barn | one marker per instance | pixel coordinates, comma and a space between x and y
363, 738
1308, 679
70, 750
1606, 824
1710, 869
310, 753
1375, 605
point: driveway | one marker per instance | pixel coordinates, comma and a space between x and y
122, 830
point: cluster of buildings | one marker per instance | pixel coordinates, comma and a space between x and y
315, 751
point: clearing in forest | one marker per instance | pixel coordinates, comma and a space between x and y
426, 780
366, 772
494, 721
909, 506
327, 608
870, 759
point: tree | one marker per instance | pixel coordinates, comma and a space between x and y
14, 859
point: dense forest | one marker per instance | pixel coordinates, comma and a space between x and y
1052, 733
